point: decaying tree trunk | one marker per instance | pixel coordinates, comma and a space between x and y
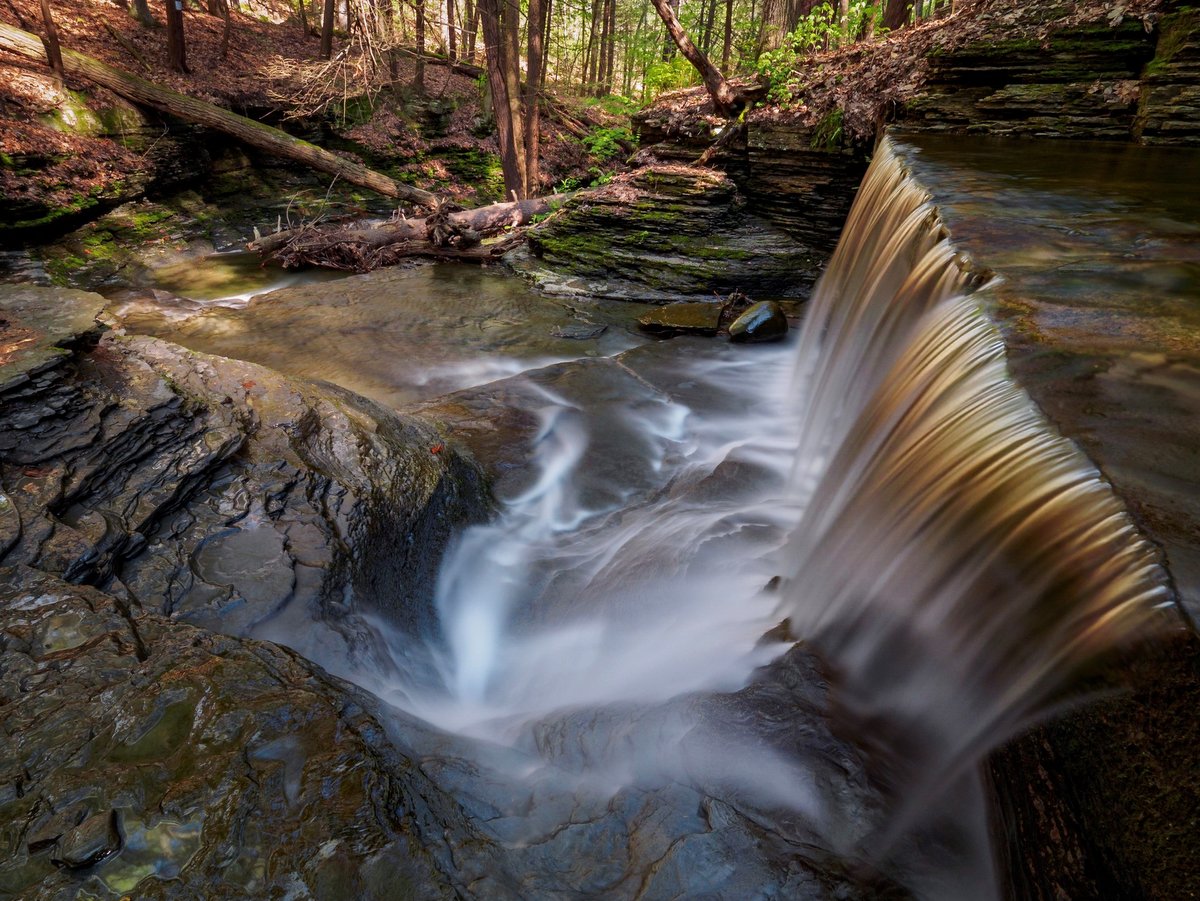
447, 233
256, 134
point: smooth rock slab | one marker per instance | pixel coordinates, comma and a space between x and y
682, 319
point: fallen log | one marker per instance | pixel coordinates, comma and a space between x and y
446, 233
256, 134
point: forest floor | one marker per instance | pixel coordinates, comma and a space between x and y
438, 139
860, 84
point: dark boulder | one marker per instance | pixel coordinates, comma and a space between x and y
763, 321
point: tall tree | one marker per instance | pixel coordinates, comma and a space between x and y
502, 73
419, 66
326, 29
725, 101
896, 13
727, 44
451, 36
534, 71
472, 20
176, 48
779, 18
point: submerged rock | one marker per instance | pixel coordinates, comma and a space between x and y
93, 840
682, 319
762, 321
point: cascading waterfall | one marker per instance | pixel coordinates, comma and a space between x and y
957, 561
952, 559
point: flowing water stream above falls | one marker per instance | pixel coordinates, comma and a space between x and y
607, 688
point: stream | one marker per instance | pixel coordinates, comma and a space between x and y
612, 691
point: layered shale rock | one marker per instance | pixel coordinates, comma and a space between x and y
209, 489
1169, 111
664, 232
1079, 83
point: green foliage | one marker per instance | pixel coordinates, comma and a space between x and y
818, 30
599, 176
615, 105
605, 143
828, 133
671, 75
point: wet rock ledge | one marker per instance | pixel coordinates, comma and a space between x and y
157, 508
667, 231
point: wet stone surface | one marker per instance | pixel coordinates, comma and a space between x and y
219, 491
682, 319
761, 322
162, 759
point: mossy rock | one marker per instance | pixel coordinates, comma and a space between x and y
671, 231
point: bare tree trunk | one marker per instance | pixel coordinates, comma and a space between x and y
176, 47
50, 41
547, 34
510, 24
419, 68
727, 45
225, 31
843, 20
141, 9
610, 65
303, 8
190, 109
534, 71
669, 46
472, 21
896, 13
327, 30
591, 57
388, 14
451, 37
605, 49
724, 100
512, 144
708, 12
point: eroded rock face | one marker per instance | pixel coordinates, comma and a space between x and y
1081, 82
219, 491
158, 506
141, 752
